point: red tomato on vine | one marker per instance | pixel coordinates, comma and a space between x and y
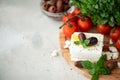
84, 24
118, 44
103, 28
76, 10
115, 33
71, 16
69, 29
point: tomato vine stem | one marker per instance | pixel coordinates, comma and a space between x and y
81, 17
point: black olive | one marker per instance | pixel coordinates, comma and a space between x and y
45, 6
93, 41
82, 36
66, 1
78, 64
52, 9
112, 65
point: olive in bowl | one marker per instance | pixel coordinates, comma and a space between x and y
55, 8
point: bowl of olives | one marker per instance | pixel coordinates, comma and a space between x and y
55, 8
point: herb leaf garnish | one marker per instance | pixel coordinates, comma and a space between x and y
95, 69
87, 64
84, 43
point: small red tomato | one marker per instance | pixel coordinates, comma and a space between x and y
103, 28
64, 18
85, 24
118, 29
76, 10
70, 16
114, 34
69, 29
118, 44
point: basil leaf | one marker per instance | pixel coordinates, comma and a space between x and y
95, 77
95, 69
77, 42
92, 71
87, 64
84, 45
101, 61
104, 70
86, 42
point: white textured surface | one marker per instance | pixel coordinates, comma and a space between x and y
27, 38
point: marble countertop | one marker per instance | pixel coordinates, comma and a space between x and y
27, 39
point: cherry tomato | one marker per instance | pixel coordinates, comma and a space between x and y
84, 24
76, 11
118, 29
115, 33
64, 18
118, 44
69, 29
103, 28
68, 16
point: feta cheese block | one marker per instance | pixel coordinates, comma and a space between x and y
91, 53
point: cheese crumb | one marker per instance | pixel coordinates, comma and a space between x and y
114, 54
113, 49
118, 64
67, 44
55, 53
111, 42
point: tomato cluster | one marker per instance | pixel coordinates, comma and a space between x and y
75, 22
114, 33
115, 36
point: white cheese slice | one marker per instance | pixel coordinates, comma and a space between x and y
92, 53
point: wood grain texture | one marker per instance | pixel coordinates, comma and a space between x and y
115, 75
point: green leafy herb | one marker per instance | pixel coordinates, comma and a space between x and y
95, 69
95, 77
100, 11
77, 42
101, 61
84, 43
87, 64
92, 71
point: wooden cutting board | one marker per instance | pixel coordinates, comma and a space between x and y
115, 75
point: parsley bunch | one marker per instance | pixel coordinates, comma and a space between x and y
95, 69
100, 11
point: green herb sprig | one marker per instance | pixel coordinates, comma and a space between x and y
84, 43
96, 69
100, 11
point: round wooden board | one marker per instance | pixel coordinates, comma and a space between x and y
115, 75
